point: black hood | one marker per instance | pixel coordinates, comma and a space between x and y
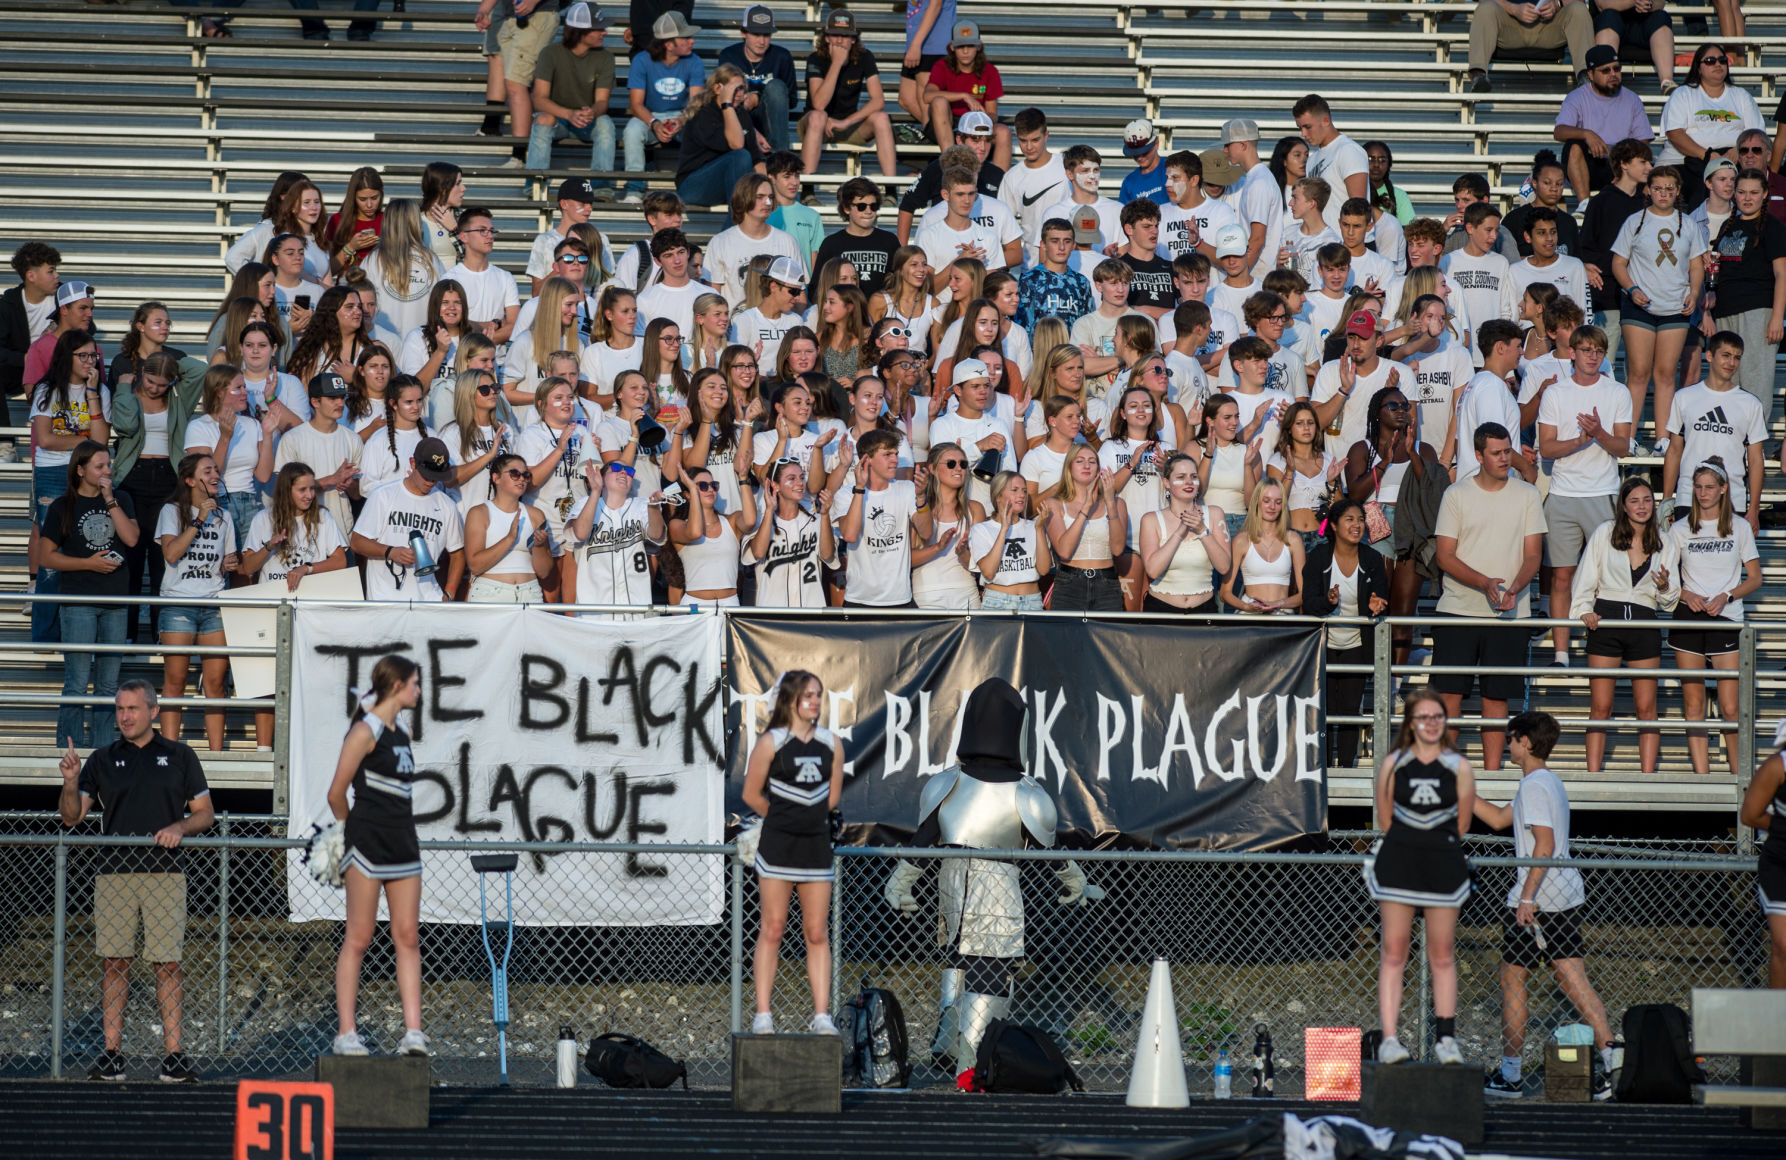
992, 731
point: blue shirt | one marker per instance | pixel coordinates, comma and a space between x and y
937, 43
1042, 292
666, 88
777, 64
1152, 186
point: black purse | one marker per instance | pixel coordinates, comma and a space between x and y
626, 1061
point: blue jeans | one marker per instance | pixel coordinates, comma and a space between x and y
242, 506
712, 183
771, 115
47, 483
90, 624
599, 133
635, 137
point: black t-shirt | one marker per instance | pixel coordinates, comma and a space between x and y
846, 97
1517, 223
1152, 282
704, 140
928, 189
1746, 252
89, 533
142, 789
870, 256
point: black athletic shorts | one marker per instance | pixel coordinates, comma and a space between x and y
1626, 644
1709, 636
926, 62
1560, 930
1480, 646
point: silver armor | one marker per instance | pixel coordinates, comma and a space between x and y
987, 815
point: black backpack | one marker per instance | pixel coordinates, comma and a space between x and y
874, 1035
1659, 1065
625, 1061
1015, 1058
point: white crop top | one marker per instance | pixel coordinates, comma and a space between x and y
1190, 573
518, 561
154, 435
1255, 569
1094, 541
710, 564
1224, 483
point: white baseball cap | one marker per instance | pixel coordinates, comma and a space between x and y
583, 16
1230, 242
786, 271
969, 369
974, 123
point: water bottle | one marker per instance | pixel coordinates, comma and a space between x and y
567, 1057
1264, 1066
1224, 1076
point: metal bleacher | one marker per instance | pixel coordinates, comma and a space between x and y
141, 149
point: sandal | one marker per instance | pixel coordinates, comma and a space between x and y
211, 28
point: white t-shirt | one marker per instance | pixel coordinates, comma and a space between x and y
1591, 471
1178, 226
1144, 491
37, 316
1716, 423
613, 564
286, 388
1333, 162
1043, 467
990, 226
1658, 250
677, 303
1230, 300
1437, 377
488, 292
539, 258
1372, 267
71, 418
283, 296
475, 490
391, 513
1354, 411
881, 557
324, 455
1109, 226
1305, 247
303, 548
762, 444
566, 484
1567, 274
1028, 192
1017, 562
1714, 124
1542, 801
414, 356
1486, 400
200, 571
1710, 563
1262, 203
601, 364
240, 456
763, 335
1190, 385
1487, 285
1014, 346
378, 465
729, 256
969, 434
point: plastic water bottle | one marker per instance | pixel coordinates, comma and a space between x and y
1224, 1076
567, 1057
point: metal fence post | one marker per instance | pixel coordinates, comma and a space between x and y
282, 665
836, 931
59, 964
1418, 949
1382, 652
223, 937
737, 945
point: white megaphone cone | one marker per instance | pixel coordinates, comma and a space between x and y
1157, 1080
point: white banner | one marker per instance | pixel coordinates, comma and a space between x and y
532, 726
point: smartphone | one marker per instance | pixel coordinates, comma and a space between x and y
302, 300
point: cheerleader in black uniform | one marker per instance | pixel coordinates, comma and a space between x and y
794, 780
1764, 808
1425, 797
381, 849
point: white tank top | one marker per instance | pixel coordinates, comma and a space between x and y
944, 582
1389, 481
710, 564
1190, 573
1224, 478
918, 324
154, 435
1094, 541
518, 561
1256, 569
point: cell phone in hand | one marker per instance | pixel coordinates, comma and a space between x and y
302, 300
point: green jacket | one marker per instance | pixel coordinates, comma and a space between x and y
127, 417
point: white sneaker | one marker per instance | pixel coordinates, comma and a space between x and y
631, 199
412, 1043
350, 1043
514, 162
1392, 1051
1446, 1051
763, 1024
821, 1025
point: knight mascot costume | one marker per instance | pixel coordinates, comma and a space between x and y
985, 801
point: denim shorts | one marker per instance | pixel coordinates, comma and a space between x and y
1020, 601
193, 619
1631, 314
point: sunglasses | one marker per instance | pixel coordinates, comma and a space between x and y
865, 205
1714, 60
951, 463
621, 468
517, 473
706, 485
898, 332
488, 389
576, 259
1751, 149
1393, 406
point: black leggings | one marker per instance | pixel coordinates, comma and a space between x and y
1345, 693
149, 485
1152, 603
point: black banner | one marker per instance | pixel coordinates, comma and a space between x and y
1185, 736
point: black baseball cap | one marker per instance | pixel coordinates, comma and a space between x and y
327, 385
576, 189
432, 460
1600, 56
758, 21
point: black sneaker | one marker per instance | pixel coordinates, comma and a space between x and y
1600, 1082
109, 1066
175, 1069
1498, 1087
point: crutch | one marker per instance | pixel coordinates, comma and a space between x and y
503, 864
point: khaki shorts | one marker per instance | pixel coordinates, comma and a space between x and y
521, 47
862, 134
157, 900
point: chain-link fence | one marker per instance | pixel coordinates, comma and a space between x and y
1285, 940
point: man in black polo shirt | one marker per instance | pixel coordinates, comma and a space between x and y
146, 784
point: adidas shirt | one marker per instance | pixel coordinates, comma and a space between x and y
1716, 423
